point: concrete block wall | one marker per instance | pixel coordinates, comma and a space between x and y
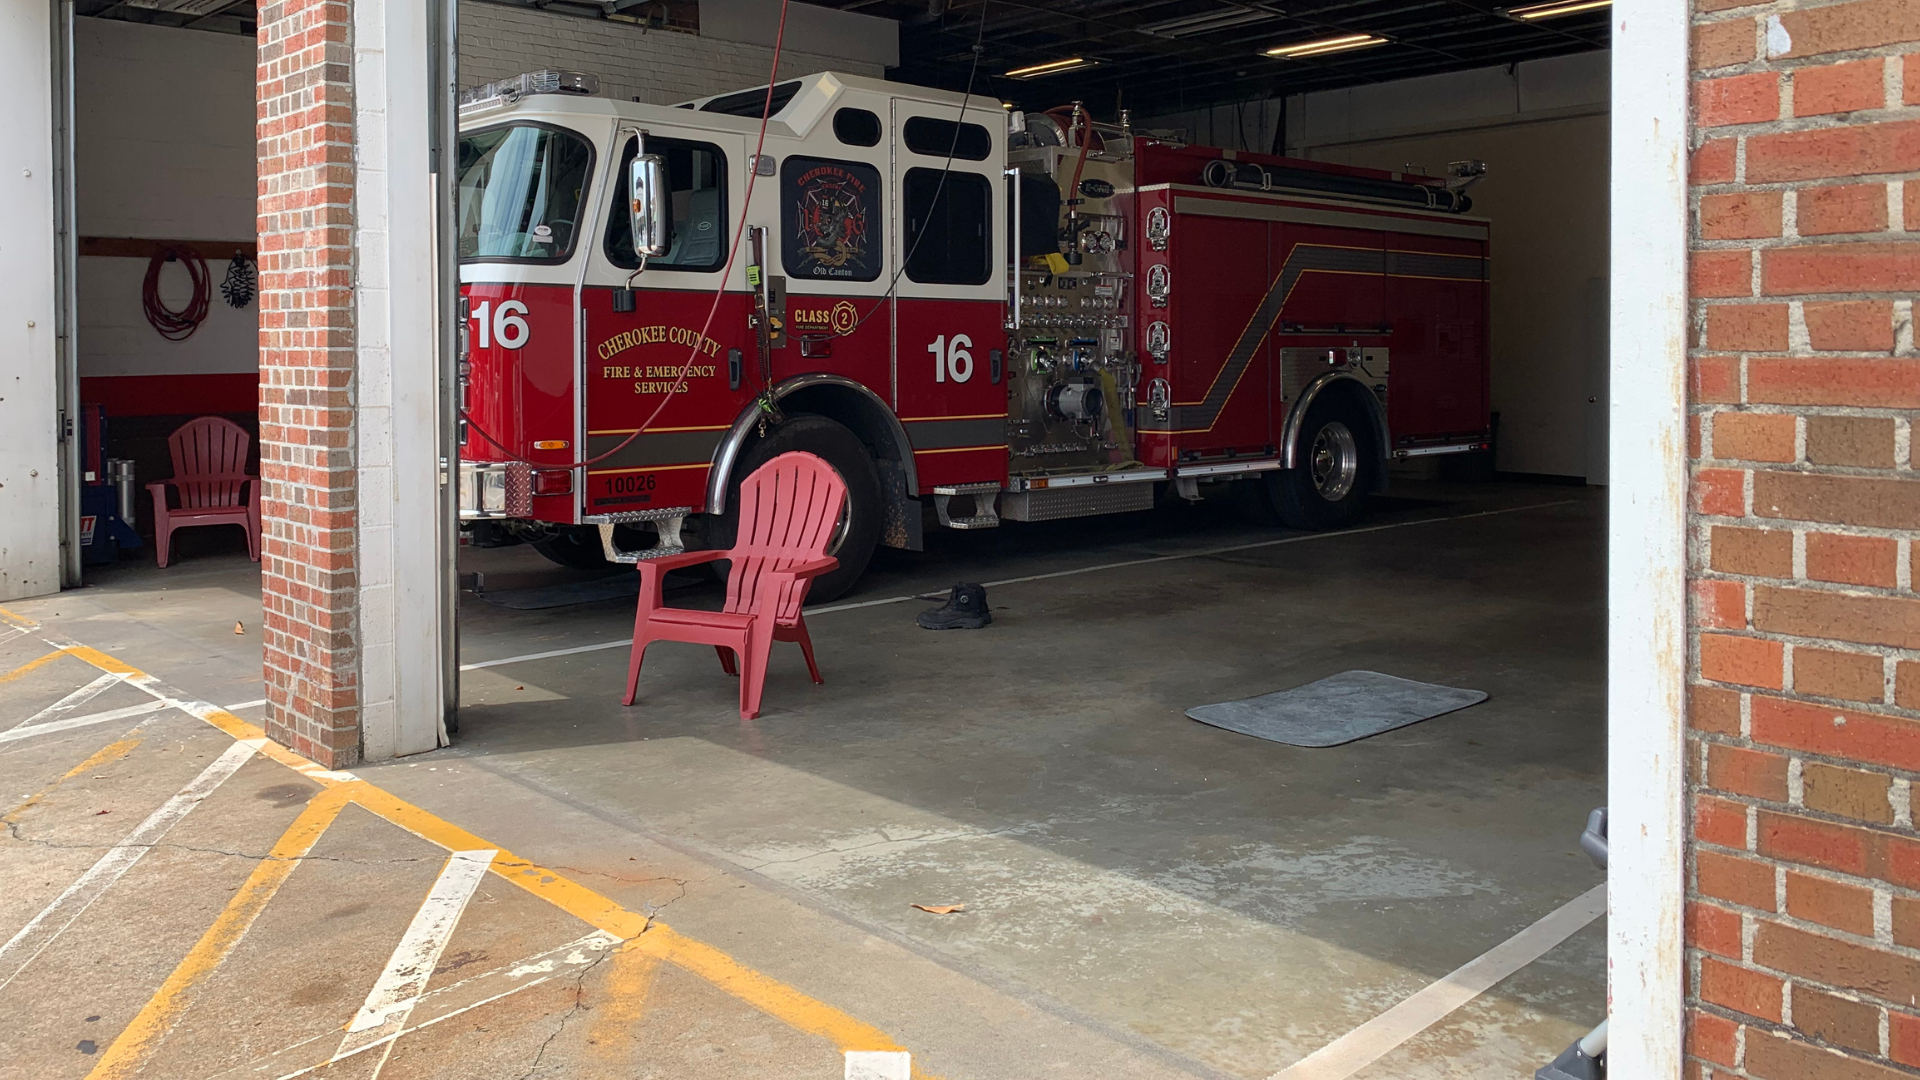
659, 66
1803, 878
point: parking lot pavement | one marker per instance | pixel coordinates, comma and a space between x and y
189, 900
582, 889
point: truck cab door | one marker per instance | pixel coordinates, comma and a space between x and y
950, 342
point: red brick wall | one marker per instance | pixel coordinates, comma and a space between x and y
306, 377
1803, 923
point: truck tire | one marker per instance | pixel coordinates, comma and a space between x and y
840, 448
1336, 459
574, 547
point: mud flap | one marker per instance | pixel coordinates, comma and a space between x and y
901, 528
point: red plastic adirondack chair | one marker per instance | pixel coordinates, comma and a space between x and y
209, 472
788, 510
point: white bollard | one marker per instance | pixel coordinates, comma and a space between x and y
879, 1065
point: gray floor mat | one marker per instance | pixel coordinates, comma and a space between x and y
1337, 709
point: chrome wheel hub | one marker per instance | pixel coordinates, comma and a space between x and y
1334, 461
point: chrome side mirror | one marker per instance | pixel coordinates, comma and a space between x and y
651, 215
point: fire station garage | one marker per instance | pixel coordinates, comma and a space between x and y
1156, 455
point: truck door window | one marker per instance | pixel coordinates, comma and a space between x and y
697, 176
948, 227
830, 214
856, 127
938, 138
521, 191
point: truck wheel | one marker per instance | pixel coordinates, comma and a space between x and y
578, 548
859, 530
1327, 488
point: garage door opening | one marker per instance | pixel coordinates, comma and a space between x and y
1017, 823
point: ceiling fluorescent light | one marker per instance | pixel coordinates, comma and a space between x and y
1051, 67
1557, 9
1324, 46
1188, 25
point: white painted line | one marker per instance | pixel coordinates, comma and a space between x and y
399, 987
1266, 544
623, 642
171, 698
447, 1002
247, 704
71, 701
52, 726
33, 938
1372, 1040
879, 1065
1201, 554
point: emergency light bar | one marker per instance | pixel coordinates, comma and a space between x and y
545, 81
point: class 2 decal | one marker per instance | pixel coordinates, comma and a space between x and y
832, 220
817, 318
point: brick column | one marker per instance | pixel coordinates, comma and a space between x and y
307, 562
1803, 925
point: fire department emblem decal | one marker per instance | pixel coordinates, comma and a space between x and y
831, 225
844, 318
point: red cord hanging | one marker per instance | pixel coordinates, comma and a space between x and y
177, 325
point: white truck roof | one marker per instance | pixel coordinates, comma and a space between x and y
813, 100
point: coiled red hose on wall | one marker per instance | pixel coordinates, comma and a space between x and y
177, 325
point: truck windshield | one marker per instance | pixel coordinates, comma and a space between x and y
522, 188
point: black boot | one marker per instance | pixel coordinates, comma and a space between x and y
966, 609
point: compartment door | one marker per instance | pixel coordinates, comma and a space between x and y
1220, 312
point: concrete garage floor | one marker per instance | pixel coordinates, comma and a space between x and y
1144, 896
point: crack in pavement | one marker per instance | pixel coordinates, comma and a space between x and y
610, 875
579, 999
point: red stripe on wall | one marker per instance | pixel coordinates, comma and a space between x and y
173, 395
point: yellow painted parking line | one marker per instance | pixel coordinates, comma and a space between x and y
33, 665
630, 977
142, 1036
106, 755
18, 622
769, 995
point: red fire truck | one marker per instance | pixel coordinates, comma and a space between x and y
1013, 316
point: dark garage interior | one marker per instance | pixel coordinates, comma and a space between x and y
1133, 893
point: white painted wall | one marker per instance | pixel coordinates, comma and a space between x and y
164, 120
396, 377
29, 406
660, 66
1541, 127
116, 339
